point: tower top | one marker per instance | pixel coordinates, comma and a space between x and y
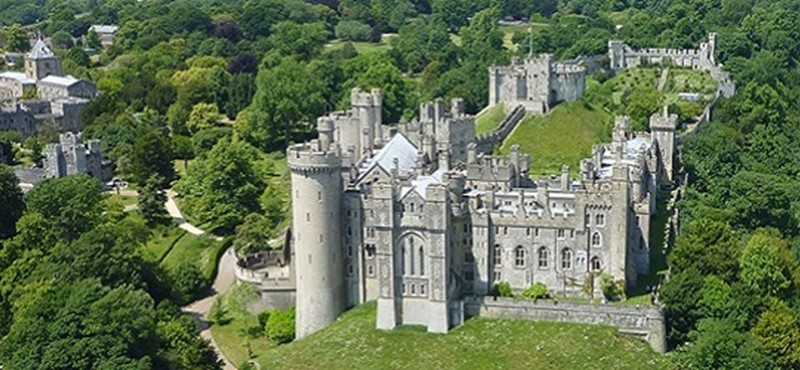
40, 51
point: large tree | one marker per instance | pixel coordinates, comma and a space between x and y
11, 203
152, 156
72, 204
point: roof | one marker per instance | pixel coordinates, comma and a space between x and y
399, 147
420, 184
103, 28
39, 51
59, 80
17, 76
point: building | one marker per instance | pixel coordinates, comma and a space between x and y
42, 94
70, 156
536, 83
421, 221
106, 33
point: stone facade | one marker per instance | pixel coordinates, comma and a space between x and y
421, 220
537, 83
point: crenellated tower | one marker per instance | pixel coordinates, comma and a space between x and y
662, 127
316, 209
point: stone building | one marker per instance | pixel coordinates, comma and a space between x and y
106, 33
421, 221
70, 156
537, 83
42, 94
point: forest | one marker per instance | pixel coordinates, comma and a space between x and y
223, 85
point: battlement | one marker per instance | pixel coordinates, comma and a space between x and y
70, 139
359, 98
663, 120
311, 156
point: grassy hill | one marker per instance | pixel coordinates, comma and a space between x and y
489, 119
354, 343
564, 136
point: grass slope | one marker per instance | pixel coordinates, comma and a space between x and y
564, 136
361, 47
200, 250
241, 336
490, 119
354, 343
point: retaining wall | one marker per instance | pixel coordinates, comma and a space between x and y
486, 142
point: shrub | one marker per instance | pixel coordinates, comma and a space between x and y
263, 318
353, 31
280, 326
219, 314
611, 289
187, 282
503, 289
536, 291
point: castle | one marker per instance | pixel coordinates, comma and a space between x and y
42, 93
537, 83
70, 156
413, 216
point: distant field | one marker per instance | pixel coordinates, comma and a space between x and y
352, 342
490, 119
564, 136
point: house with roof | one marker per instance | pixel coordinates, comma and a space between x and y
106, 33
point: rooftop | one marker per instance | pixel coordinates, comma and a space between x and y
17, 76
40, 50
103, 28
399, 147
64, 81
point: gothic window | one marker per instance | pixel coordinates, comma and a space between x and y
519, 256
543, 258
498, 255
403, 260
596, 239
595, 264
497, 276
561, 233
600, 219
370, 250
411, 260
411, 207
350, 270
566, 259
421, 261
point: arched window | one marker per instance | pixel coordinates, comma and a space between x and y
543, 257
566, 259
411, 260
421, 261
519, 256
600, 219
595, 264
596, 239
403, 260
498, 255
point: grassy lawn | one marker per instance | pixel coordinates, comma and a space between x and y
688, 80
481, 343
195, 249
361, 47
490, 119
564, 136
160, 242
121, 200
234, 337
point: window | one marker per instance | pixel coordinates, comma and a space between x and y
588, 218
319, 196
411, 207
497, 276
348, 213
543, 258
536, 232
308, 217
528, 231
370, 250
421, 261
497, 230
596, 239
350, 269
421, 207
349, 231
505, 230
371, 232
519, 256
595, 264
566, 259
422, 289
404, 289
498, 255
560, 233
413, 288
600, 219
411, 260
370, 271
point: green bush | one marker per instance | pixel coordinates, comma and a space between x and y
263, 318
280, 326
536, 291
611, 289
187, 282
503, 289
353, 31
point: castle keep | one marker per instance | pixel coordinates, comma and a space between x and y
414, 216
536, 83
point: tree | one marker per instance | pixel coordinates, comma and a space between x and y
17, 39
78, 56
252, 235
11, 202
280, 326
304, 40
72, 204
62, 40
36, 147
187, 281
640, 105
718, 345
203, 116
204, 140
762, 267
681, 296
778, 333
151, 201
93, 40
353, 31
700, 245
152, 155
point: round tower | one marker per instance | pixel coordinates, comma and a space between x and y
316, 219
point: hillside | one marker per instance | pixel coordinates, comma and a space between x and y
354, 343
564, 136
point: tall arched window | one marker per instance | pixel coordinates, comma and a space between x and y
411, 259
519, 256
498, 255
543, 257
403, 260
596, 240
595, 264
421, 261
566, 259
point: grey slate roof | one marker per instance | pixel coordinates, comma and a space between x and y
39, 51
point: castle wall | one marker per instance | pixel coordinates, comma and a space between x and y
647, 323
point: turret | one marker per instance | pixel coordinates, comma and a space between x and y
325, 130
662, 129
316, 208
564, 178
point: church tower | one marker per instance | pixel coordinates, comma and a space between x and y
316, 220
40, 62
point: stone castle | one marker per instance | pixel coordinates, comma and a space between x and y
414, 216
537, 83
70, 156
42, 93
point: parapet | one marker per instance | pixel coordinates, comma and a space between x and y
359, 98
664, 120
311, 156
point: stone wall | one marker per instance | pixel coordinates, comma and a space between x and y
645, 322
486, 142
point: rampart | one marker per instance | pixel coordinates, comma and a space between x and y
485, 143
645, 322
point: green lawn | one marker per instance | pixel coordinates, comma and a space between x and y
234, 337
481, 343
121, 200
163, 238
361, 47
563, 136
200, 250
490, 119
